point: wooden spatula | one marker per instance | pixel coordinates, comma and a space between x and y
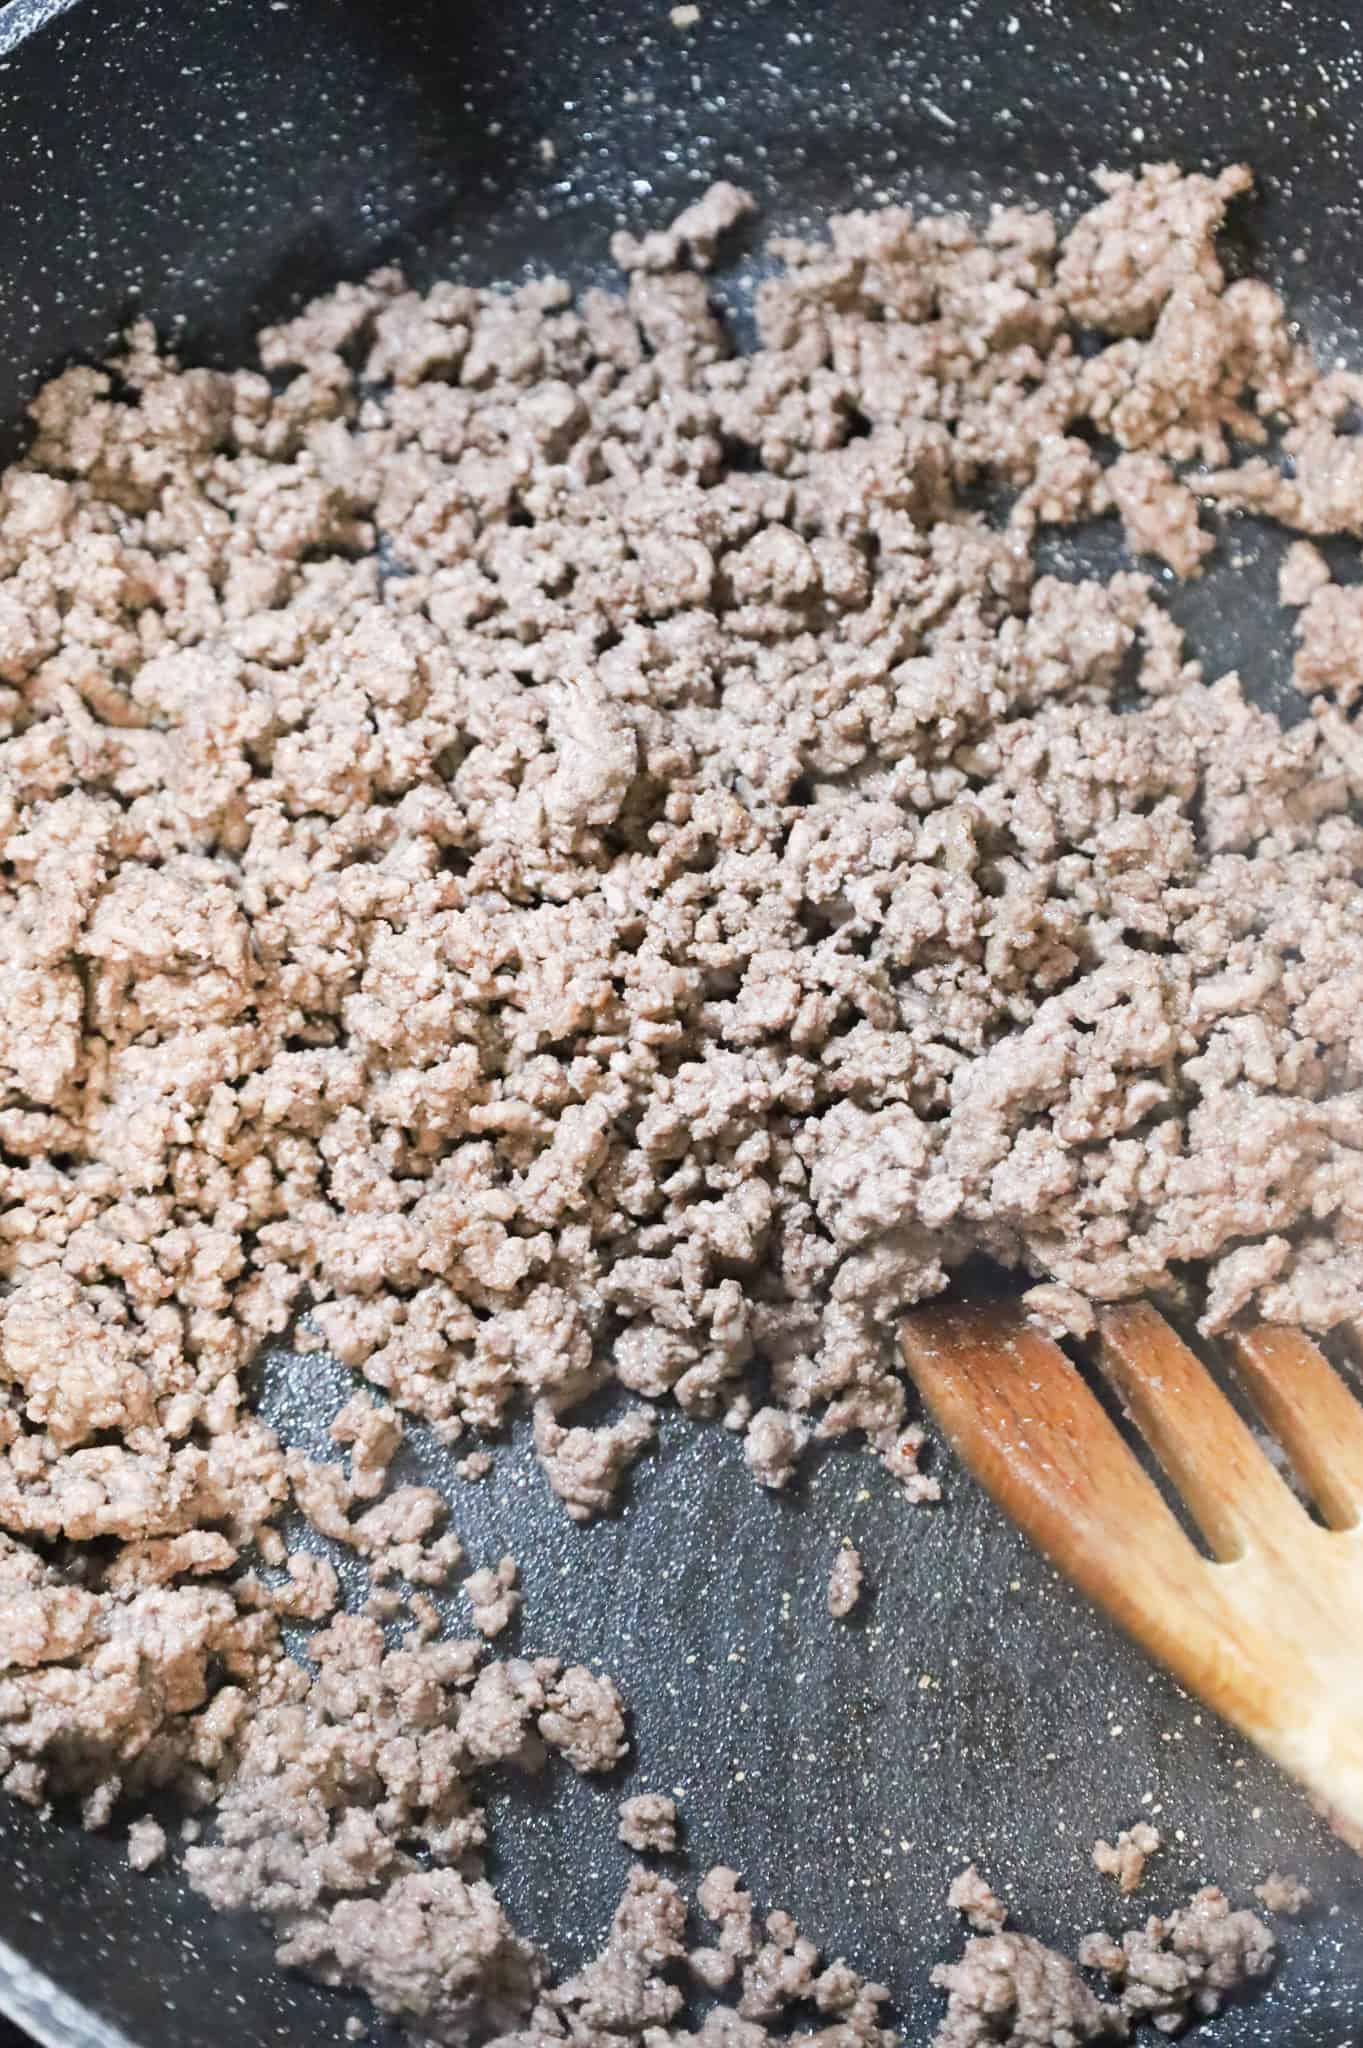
1269, 1629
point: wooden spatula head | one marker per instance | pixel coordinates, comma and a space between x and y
1268, 1628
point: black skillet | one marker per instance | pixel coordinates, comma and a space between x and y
213, 162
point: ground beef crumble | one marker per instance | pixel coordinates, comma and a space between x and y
1185, 1967
648, 1821
146, 1843
494, 1595
1126, 1858
1012, 1990
537, 850
845, 1582
1283, 1894
971, 1894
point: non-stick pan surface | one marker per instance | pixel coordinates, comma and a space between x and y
213, 162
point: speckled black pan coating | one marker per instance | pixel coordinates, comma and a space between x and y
213, 162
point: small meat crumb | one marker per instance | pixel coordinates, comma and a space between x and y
1158, 513
312, 1590
585, 1466
1060, 1311
694, 234
585, 1720
1011, 1989
901, 1462
146, 1843
1304, 571
844, 1582
1176, 1970
648, 1821
972, 1895
685, 17
494, 1595
98, 1805
374, 1434
1126, 1858
772, 1445
1280, 1894
476, 1465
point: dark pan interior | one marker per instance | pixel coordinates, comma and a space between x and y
212, 163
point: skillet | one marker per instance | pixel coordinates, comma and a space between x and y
216, 162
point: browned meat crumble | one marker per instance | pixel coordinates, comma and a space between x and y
845, 1582
971, 1894
1283, 1894
1126, 1858
494, 1595
1175, 1970
538, 850
648, 1821
1010, 1990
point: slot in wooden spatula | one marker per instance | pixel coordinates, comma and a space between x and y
1269, 1629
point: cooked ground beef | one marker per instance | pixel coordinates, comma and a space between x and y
494, 1595
536, 850
971, 1894
1185, 1967
1010, 1990
1126, 1858
1280, 1894
845, 1582
648, 1821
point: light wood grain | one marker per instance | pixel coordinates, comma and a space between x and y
1315, 1418
1268, 1630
